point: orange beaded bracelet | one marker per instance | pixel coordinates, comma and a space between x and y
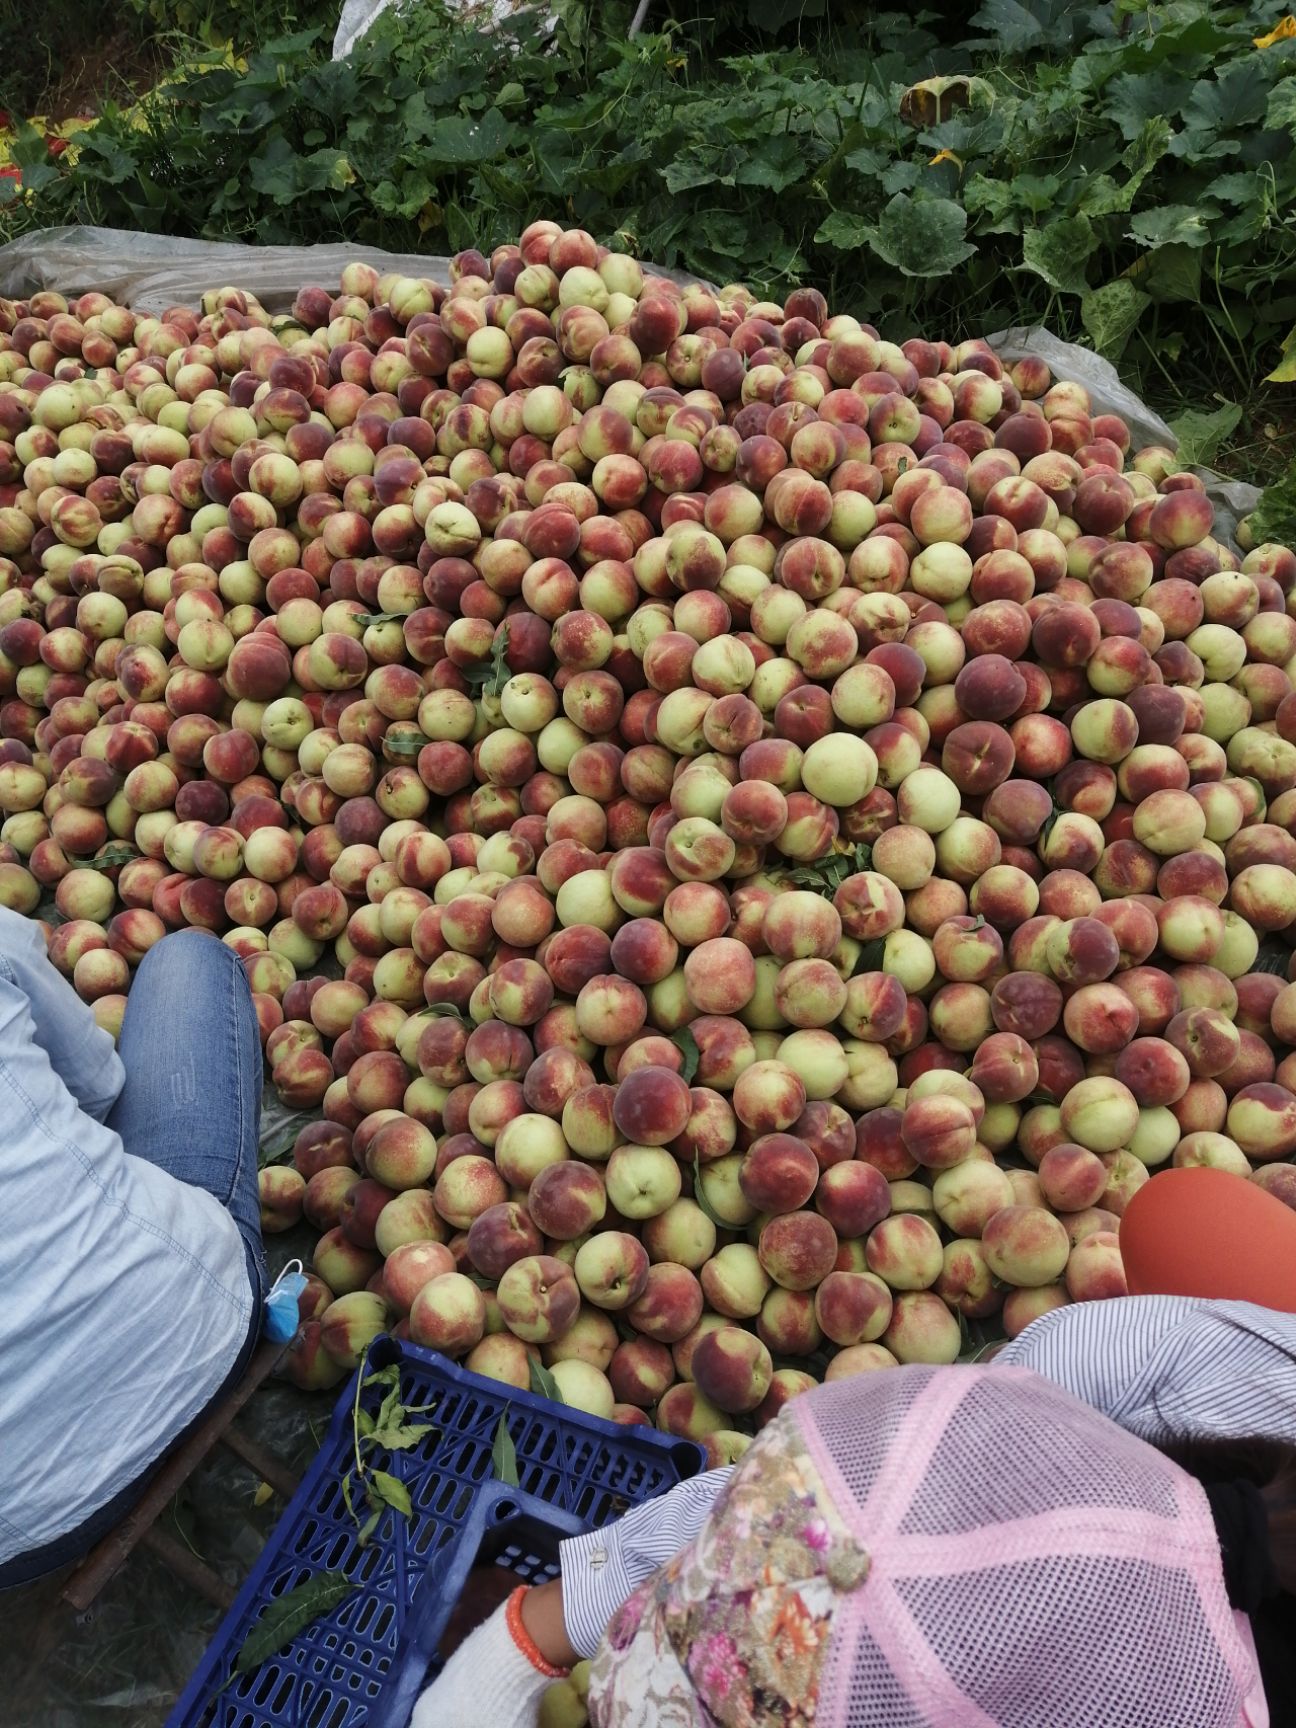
523, 1639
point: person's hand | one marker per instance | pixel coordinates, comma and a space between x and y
499, 1674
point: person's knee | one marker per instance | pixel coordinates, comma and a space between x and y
195, 952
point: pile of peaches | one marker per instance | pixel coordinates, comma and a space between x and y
752, 842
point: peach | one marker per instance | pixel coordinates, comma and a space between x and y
409, 1267
734, 1282
1100, 1019
1081, 951
859, 1359
1025, 1246
502, 1235
733, 1369
1126, 1174
904, 1250
787, 1325
402, 1154
797, 1249
1094, 1270
592, 1338
1022, 1306
640, 1372
686, 1412
448, 1314
670, 1304
1262, 1120
502, 1357
853, 1197
938, 1131
967, 1195
966, 1283
779, 1173
720, 976
1005, 1068
1100, 1114
410, 1217
799, 925
853, 1307
1071, 1178
611, 1269
342, 1265
1155, 1071
350, 1324
652, 1106
1206, 1039
539, 1298
1026, 1004
642, 1181
921, 1329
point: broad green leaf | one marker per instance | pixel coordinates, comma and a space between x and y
1198, 436
844, 232
1240, 188
1237, 96
1143, 155
1132, 99
1171, 225
1280, 110
457, 139
504, 1455
290, 1614
1109, 315
1060, 251
1099, 195
994, 204
1274, 517
774, 164
391, 1491
686, 1044
1036, 193
1015, 26
901, 177
1170, 273
685, 173
1285, 371
921, 236
866, 161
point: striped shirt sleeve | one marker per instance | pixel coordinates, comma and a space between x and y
1169, 1367
1163, 1367
601, 1569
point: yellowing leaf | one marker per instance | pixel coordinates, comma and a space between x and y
1285, 371
946, 156
1283, 31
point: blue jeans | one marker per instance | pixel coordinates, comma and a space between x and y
189, 1103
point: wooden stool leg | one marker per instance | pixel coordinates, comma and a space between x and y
106, 1558
266, 1465
196, 1573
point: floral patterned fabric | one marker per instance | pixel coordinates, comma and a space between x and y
734, 1631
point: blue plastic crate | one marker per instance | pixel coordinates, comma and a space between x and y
364, 1664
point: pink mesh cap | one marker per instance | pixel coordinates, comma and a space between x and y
1031, 1564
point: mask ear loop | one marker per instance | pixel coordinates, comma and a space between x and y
294, 1269
282, 1318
